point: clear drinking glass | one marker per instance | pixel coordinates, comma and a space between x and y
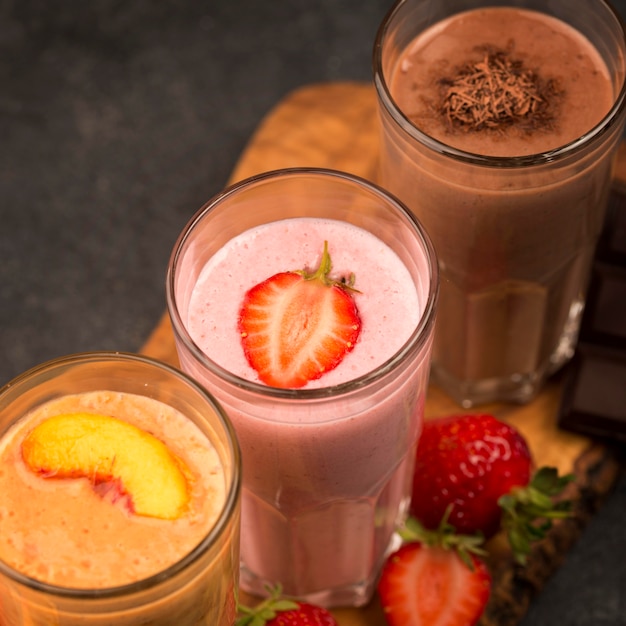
514, 236
199, 589
327, 471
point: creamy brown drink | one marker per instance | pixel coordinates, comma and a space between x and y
502, 82
496, 134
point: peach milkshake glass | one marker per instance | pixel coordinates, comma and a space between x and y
499, 127
119, 497
326, 465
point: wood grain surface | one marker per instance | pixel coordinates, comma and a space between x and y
334, 125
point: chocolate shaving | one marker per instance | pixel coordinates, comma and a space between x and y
496, 92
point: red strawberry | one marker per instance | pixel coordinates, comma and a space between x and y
297, 325
435, 579
278, 612
480, 466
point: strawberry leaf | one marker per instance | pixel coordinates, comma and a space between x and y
548, 481
267, 610
284, 605
445, 536
528, 511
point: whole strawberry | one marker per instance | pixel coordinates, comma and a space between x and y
276, 611
437, 578
480, 468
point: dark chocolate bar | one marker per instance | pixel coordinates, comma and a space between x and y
594, 391
604, 319
612, 244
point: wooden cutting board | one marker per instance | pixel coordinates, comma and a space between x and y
334, 125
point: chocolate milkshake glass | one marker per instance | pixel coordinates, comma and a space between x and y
499, 127
78, 549
327, 466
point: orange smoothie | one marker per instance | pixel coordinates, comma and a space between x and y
65, 532
119, 497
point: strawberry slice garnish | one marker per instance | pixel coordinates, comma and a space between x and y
297, 325
437, 578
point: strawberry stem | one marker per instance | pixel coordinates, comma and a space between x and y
322, 273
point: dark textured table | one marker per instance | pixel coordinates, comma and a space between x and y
117, 121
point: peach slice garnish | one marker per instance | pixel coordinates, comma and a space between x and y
105, 449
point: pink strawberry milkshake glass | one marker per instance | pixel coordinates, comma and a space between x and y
499, 129
71, 552
326, 467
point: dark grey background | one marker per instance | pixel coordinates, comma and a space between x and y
118, 119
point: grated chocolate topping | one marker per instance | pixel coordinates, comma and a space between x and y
498, 91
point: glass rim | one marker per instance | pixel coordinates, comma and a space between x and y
414, 343
215, 532
536, 159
